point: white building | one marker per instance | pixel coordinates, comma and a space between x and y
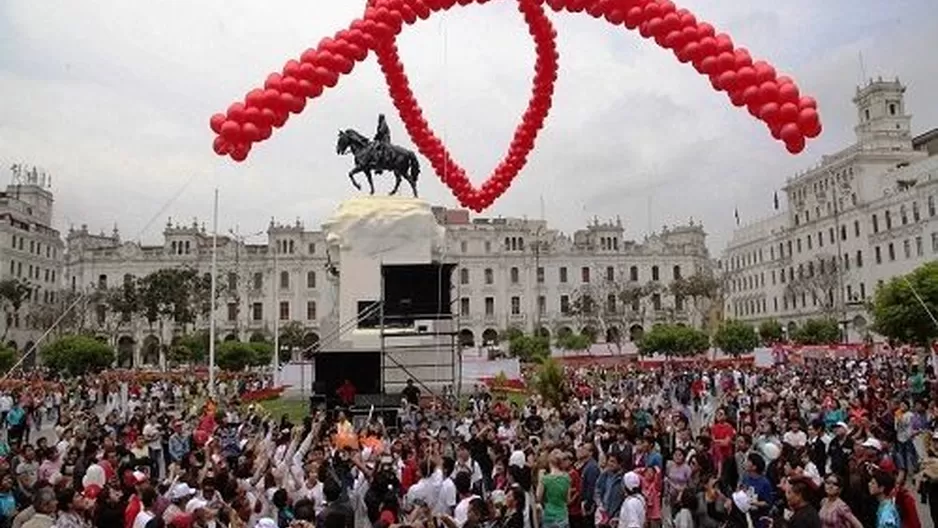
859, 217
31, 253
510, 273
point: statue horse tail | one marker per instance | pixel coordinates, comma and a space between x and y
414, 167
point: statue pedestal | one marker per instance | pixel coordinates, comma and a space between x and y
368, 232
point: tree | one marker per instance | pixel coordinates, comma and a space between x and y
7, 358
817, 332
292, 337
574, 341
13, 294
177, 294
262, 354
673, 340
771, 332
701, 289
898, 314
550, 382
234, 356
77, 355
529, 349
190, 348
819, 279
735, 338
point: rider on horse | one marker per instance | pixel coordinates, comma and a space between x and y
382, 139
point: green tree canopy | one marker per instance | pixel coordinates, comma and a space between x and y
817, 332
898, 314
190, 348
673, 340
236, 356
550, 382
771, 332
7, 358
529, 349
77, 355
735, 338
573, 341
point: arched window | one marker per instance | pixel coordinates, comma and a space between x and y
284, 279
310, 279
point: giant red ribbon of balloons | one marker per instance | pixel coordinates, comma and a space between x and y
769, 97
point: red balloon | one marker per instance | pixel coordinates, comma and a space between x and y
254, 98
764, 71
796, 145
704, 30
240, 151
807, 102
724, 43
652, 10
743, 59
253, 115
667, 6
751, 95
784, 79
745, 76
789, 132
273, 82
674, 40
290, 85
776, 131
326, 77
310, 89
726, 61
250, 132
788, 113
271, 98
688, 20
814, 131
236, 112
280, 118
768, 91
634, 17
291, 68
788, 93
265, 132
310, 55
769, 113
231, 131
727, 80
808, 120
672, 22
216, 122
691, 51
655, 26
736, 96
708, 65
268, 116
220, 146
708, 47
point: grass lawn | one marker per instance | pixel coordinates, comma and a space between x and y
295, 408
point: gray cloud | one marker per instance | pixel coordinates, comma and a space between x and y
114, 97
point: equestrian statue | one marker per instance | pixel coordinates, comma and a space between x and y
379, 155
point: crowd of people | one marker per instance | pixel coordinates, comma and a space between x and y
830, 443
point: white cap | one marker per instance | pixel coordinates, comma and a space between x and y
517, 459
631, 481
180, 491
872, 443
195, 504
841, 424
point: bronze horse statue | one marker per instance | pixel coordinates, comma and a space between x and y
378, 155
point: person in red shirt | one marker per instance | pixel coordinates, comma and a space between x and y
137, 480
346, 393
723, 435
575, 504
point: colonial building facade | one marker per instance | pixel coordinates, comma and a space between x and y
510, 273
861, 216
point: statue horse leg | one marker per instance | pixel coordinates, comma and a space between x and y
351, 176
371, 184
397, 182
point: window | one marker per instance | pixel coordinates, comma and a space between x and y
464, 276
915, 214
563, 275
888, 220
843, 232
790, 252
284, 280
907, 248
903, 215
654, 273
633, 273
892, 252
585, 274
258, 280
679, 303
849, 292
565, 304
490, 306
862, 291
489, 276
102, 280
257, 311
919, 249
820, 239
32, 246
809, 242
798, 245
773, 277
514, 275
488, 246
187, 247
541, 305
859, 258
311, 249
611, 303
610, 273
232, 311
464, 306
856, 228
931, 206
875, 224
771, 252
934, 242
879, 253
232, 282
310, 310
540, 275
14, 241
310, 279
463, 246
656, 301
775, 304
516, 305
101, 313
892, 109
284, 310
830, 235
677, 271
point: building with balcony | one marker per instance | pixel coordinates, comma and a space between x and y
859, 217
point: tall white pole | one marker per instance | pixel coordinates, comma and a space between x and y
276, 313
211, 324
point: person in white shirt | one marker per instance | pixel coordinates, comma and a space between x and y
147, 499
795, 437
465, 463
427, 489
463, 488
632, 512
447, 498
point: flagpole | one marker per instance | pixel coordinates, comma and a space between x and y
211, 325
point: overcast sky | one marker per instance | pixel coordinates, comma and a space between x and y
113, 97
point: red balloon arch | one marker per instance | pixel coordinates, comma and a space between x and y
776, 100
